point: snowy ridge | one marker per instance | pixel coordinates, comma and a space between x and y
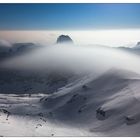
107, 105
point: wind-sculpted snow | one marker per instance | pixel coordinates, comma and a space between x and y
108, 105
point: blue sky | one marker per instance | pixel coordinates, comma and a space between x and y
69, 16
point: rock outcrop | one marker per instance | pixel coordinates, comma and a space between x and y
64, 39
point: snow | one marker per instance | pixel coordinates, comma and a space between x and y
74, 111
25, 112
104, 102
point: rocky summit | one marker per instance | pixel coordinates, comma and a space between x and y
64, 39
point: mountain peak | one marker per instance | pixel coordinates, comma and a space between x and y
64, 39
137, 45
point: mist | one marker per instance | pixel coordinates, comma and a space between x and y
79, 59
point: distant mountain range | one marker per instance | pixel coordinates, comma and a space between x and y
8, 50
16, 49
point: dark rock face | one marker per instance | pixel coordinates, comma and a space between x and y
130, 120
100, 114
64, 39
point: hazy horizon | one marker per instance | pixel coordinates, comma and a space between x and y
86, 23
113, 38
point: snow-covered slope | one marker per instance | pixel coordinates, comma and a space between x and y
94, 92
107, 105
21, 81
